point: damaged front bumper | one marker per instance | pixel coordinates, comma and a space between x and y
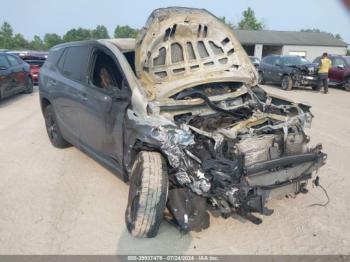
232, 160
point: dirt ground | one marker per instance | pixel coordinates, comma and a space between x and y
62, 202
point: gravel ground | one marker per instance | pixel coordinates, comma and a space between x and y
62, 202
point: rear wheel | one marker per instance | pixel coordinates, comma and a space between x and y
347, 84
287, 83
29, 86
147, 195
52, 128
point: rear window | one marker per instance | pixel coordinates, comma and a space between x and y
75, 62
13, 60
3, 62
268, 60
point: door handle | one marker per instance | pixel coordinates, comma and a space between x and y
52, 82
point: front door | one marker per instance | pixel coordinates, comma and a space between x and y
18, 73
103, 111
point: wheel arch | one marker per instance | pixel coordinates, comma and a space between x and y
44, 102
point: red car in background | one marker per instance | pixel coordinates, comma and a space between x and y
339, 74
35, 59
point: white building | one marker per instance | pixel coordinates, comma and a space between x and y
306, 44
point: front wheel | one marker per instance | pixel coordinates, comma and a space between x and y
287, 83
315, 88
261, 78
29, 86
147, 195
347, 84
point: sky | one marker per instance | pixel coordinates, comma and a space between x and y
37, 17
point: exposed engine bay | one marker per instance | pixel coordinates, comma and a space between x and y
229, 146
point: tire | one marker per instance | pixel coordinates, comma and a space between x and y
347, 84
29, 86
147, 195
261, 78
315, 88
52, 128
287, 83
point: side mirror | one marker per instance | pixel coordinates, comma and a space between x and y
277, 64
340, 66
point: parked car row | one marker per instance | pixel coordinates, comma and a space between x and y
35, 60
19, 71
15, 76
295, 71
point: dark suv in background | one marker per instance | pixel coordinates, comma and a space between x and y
288, 71
339, 74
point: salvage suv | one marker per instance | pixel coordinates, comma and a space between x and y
288, 71
179, 115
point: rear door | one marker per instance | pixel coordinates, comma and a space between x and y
276, 69
5, 78
67, 89
266, 66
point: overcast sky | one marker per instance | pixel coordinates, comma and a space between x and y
37, 17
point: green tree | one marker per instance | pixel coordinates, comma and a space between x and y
19, 42
225, 21
37, 43
348, 52
250, 22
6, 34
77, 35
51, 40
125, 31
100, 32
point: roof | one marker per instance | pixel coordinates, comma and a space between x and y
124, 44
288, 38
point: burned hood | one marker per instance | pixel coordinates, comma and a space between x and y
182, 47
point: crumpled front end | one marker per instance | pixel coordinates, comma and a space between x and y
229, 149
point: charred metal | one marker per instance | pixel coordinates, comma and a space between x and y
236, 152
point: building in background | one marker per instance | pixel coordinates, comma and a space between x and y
305, 44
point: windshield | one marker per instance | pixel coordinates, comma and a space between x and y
35, 62
293, 60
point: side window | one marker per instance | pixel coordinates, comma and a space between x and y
3, 62
276, 60
105, 72
75, 62
13, 60
268, 60
337, 61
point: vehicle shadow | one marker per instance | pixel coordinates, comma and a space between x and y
168, 241
304, 88
15, 98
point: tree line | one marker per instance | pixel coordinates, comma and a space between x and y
10, 40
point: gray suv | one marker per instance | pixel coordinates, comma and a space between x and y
178, 114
